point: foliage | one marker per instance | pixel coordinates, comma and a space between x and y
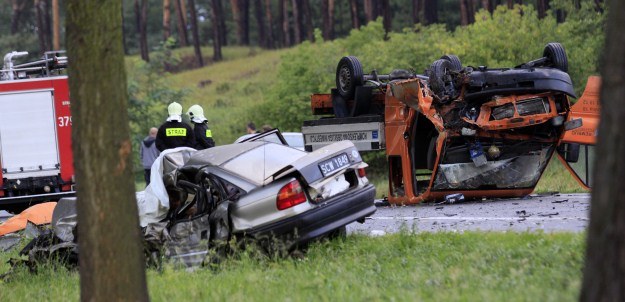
405, 266
19, 42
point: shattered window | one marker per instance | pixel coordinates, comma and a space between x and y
520, 171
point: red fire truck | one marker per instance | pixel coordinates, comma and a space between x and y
35, 131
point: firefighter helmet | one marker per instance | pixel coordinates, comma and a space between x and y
196, 113
174, 109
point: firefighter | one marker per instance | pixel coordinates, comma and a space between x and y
174, 133
203, 135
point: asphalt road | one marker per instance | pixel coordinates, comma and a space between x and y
547, 213
4, 215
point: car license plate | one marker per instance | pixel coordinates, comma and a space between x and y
335, 163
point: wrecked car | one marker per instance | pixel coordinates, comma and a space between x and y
260, 190
475, 131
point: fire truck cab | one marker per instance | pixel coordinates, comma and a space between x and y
36, 162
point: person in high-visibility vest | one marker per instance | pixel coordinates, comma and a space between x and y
203, 135
174, 133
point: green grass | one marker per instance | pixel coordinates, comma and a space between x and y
231, 88
557, 178
407, 267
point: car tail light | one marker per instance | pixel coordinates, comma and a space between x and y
290, 195
362, 173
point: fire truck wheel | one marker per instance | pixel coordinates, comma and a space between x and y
348, 76
555, 53
437, 74
456, 65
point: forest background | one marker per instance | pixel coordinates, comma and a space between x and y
261, 60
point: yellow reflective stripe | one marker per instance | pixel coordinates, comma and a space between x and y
176, 132
209, 133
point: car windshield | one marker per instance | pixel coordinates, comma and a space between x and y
295, 140
259, 163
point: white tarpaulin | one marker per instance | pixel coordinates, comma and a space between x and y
153, 202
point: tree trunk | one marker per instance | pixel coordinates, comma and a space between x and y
307, 16
245, 9
471, 11
141, 12
325, 20
285, 23
353, 5
166, 19
464, 15
217, 16
604, 271
297, 24
487, 5
430, 11
331, 8
182, 25
560, 16
599, 6
223, 31
260, 23
111, 262
269, 36
510, 4
386, 14
56, 30
196, 34
541, 7
48, 22
17, 8
240, 13
40, 11
183, 8
370, 13
121, 16
145, 54
416, 10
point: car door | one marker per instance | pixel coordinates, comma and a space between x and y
577, 147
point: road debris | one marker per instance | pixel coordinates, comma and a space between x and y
548, 214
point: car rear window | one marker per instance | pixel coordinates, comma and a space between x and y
263, 161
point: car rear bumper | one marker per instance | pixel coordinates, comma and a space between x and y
335, 213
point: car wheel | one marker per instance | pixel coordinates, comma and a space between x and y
555, 53
456, 65
438, 78
348, 76
338, 233
220, 238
